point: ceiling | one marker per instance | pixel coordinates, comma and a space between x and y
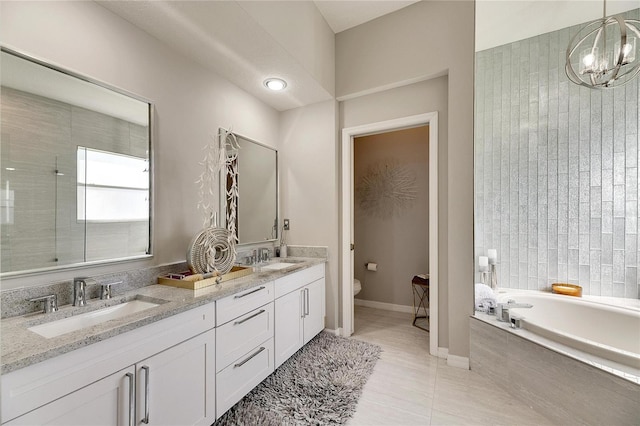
247, 41
230, 38
345, 14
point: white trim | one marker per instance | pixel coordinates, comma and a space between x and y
346, 255
443, 353
458, 361
336, 331
383, 305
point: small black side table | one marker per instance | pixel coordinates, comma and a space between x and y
420, 285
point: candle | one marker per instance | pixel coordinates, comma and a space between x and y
493, 256
483, 263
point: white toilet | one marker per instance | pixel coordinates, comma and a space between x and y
356, 286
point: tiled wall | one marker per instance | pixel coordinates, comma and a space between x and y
40, 135
556, 171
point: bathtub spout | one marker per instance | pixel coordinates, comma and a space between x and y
503, 313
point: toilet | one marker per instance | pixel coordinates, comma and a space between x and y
356, 286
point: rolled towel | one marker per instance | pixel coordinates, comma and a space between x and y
484, 297
483, 305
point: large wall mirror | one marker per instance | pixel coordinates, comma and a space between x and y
257, 203
75, 170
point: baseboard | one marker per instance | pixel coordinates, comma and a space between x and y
443, 353
383, 305
336, 331
458, 361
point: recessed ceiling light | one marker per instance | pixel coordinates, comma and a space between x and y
275, 84
10, 168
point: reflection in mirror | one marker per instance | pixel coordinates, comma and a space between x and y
257, 211
75, 170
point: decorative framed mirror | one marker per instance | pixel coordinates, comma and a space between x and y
257, 200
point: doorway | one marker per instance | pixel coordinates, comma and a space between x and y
347, 215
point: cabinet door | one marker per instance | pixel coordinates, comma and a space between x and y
288, 325
108, 402
314, 313
177, 386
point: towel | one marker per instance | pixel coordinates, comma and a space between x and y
485, 297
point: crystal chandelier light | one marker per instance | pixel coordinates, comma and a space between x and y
604, 52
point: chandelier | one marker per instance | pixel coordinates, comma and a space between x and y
604, 52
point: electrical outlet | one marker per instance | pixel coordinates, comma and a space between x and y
286, 224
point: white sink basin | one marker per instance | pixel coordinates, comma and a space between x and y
278, 266
78, 322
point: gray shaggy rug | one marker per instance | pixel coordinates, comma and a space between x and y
319, 385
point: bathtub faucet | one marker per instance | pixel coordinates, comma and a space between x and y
503, 313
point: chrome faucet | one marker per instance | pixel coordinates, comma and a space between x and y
264, 254
79, 291
503, 312
106, 291
50, 303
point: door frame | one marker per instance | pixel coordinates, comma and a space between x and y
346, 254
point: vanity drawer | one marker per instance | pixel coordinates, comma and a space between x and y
242, 302
299, 279
235, 381
244, 333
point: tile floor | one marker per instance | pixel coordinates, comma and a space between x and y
410, 387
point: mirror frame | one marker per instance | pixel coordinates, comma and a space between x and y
151, 110
223, 190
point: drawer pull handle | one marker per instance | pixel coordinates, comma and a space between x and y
238, 296
146, 395
249, 317
132, 400
240, 364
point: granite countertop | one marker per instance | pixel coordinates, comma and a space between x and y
21, 347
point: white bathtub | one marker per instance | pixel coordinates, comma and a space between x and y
605, 330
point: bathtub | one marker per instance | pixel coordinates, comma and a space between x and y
605, 330
574, 360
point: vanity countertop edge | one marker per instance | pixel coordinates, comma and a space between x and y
20, 347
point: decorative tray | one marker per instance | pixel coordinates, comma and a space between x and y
567, 289
192, 281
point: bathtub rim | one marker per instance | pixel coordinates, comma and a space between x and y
616, 302
603, 350
623, 371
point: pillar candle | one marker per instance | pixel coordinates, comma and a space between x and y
483, 263
493, 256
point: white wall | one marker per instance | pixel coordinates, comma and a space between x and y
309, 186
500, 22
419, 98
191, 103
414, 44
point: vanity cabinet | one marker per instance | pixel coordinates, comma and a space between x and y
93, 384
187, 369
299, 310
172, 387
